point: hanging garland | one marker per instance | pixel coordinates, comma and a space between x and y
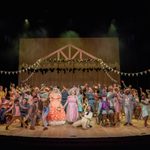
38, 63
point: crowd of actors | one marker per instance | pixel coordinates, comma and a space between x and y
78, 105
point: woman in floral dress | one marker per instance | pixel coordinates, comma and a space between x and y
56, 115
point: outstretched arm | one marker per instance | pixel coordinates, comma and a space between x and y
141, 91
148, 91
124, 84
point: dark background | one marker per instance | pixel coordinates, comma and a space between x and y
89, 19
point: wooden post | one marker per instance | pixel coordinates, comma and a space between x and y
69, 52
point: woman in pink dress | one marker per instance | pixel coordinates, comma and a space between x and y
72, 106
117, 104
56, 115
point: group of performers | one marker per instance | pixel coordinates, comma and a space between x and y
51, 105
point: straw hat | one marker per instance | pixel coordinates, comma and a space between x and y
126, 90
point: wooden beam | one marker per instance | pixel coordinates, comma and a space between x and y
82, 51
64, 55
73, 57
81, 56
69, 52
58, 56
53, 53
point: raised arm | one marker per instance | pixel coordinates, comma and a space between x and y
124, 84
141, 91
148, 91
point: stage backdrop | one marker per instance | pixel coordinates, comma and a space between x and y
32, 49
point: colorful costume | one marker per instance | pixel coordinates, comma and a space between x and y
56, 115
72, 108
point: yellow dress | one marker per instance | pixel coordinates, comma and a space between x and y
2, 94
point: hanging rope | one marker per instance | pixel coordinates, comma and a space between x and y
28, 77
110, 77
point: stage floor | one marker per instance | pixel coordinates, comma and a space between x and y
68, 131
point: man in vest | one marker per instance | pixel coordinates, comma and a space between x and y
33, 112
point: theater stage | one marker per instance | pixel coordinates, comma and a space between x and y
68, 131
68, 136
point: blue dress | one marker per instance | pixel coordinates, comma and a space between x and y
80, 101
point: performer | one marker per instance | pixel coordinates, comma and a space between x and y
2, 93
24, 112
65, 95
80, 102
111, 100
117, 104
103, 110
16, 112
33, 112
137, 108
86, 119
91, 99
4, 107
128, 106
45, 112
97, 99
72, 106
56, 115
44, 93
12, 92
145, 102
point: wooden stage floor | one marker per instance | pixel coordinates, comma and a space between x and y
67, 131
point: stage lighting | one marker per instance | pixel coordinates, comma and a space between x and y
69, 34
112, 30
26, 23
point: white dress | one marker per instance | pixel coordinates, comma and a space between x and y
145, 108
